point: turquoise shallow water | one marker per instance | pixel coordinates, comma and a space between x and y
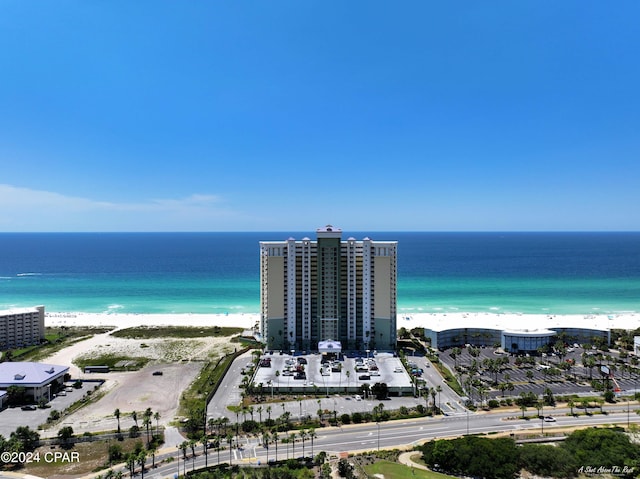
559, 273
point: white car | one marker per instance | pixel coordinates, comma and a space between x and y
549, 419
357, 397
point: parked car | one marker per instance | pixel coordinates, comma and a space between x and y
29, 407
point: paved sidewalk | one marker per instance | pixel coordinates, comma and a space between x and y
405, 458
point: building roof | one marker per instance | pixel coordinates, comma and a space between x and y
330, 346
529, 332
517, 322
10, 312
29, 374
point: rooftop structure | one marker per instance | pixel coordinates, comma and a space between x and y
34, 377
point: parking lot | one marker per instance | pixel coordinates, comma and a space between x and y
331, 374
306, 400
13, 417
533, 374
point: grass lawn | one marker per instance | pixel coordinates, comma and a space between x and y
90, 457
393, 470
56, 339
114, 361
145, 332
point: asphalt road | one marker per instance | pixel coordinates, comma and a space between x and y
396, 434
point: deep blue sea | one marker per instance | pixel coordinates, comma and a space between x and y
556, 273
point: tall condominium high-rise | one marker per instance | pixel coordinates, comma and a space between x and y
326, 290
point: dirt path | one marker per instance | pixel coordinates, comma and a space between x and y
405, 458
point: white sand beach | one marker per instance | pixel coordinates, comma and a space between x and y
437, 321
119, 320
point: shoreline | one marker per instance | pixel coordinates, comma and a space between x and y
437, 321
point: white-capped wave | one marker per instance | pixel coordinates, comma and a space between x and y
112, 308
29, 274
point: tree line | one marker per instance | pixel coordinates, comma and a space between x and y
594, 449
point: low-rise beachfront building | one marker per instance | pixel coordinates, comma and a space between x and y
526, 340
37, 379
636, 345
21, 327
514, 332
449, 337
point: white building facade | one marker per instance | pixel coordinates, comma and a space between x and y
328, 290
21, 327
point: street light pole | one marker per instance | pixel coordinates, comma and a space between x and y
378, 424
178, 474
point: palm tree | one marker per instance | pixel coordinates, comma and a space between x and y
153, 450
229, 442
237, 410
142, 460
312, 436
433, 399
131, 463
204, 440
217, 444
183, 447
146, 421
224, 421
134, 416
571, 403
269, 413
275, 437
265, 442
303, 437
292, 440
455, 353
539, 405
116, 413
156, 416
439, 390
259, 409
192, 445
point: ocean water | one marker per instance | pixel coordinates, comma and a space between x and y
556, 273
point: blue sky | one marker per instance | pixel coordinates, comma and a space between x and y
289, 115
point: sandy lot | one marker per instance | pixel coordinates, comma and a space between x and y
136, 391
180, 361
